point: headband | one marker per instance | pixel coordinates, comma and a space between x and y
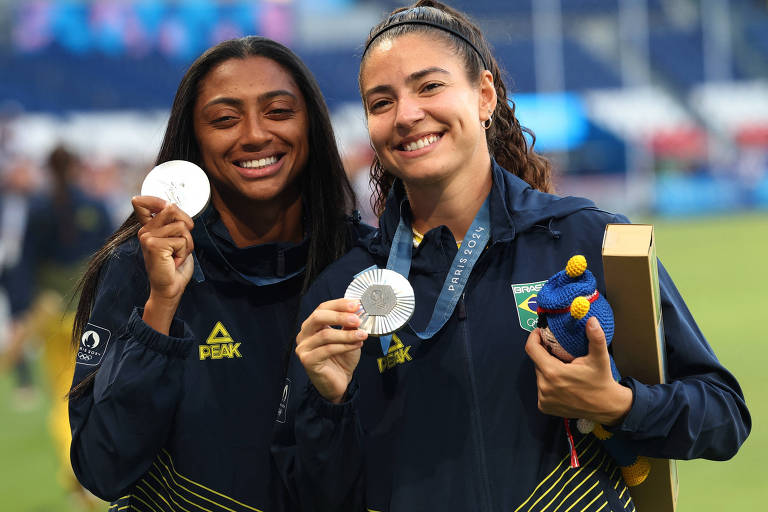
430, 24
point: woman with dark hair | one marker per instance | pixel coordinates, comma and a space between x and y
449, 413
184, 327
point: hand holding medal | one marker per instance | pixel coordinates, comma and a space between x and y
172, 194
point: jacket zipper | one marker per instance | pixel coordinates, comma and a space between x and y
461, 314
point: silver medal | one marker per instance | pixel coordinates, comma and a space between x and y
386, 300
181, 183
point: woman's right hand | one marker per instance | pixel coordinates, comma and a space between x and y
330, 355
166, 243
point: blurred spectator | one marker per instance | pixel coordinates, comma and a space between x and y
357, 155
63, 228
357, 164
18, 182
113, 181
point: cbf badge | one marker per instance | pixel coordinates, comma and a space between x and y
93, 345
525, 300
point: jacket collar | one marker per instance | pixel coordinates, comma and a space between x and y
218, 258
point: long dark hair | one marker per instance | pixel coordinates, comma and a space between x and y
506, 137
327, 194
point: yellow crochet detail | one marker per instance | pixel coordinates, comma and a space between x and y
579, 307
601, 433
637, 472
576, 266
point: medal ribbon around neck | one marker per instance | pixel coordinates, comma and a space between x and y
472, 246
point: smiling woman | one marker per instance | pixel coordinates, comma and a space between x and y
251, 121
462, 408
423, 122
174, 406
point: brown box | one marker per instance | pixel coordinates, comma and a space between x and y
632, 289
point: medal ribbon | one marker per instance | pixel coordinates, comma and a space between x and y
472, 246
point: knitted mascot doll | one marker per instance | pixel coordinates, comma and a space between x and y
565, 303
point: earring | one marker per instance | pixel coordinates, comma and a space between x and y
488, 122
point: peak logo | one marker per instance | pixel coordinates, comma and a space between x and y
525, 300
219, 345
397, 354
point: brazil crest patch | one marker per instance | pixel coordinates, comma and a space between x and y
525, 300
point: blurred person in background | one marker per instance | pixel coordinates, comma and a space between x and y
112, 179
357, 155
357, 164
19, 182
455, 416
64, 226
185, 326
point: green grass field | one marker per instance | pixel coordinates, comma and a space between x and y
719, 265
28, 471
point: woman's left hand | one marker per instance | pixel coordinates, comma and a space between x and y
583, 388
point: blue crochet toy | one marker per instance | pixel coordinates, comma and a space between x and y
565, 303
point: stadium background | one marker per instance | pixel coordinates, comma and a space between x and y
654, 108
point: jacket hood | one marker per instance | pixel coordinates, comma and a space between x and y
515, 207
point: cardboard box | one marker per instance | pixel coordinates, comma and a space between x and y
632, 288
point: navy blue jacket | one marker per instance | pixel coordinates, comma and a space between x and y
185, 421
452, 423
57, 239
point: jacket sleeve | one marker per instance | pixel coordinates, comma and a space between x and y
700, 412
317, 446
121, 418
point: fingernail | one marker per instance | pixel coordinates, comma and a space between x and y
361, 334
353, 319
353, 305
